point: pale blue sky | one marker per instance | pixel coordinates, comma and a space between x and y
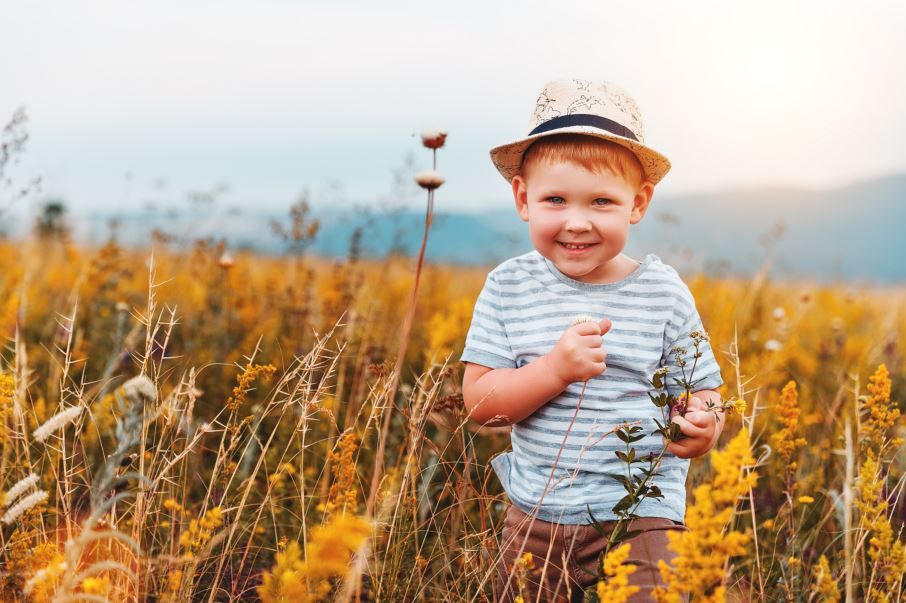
271, 97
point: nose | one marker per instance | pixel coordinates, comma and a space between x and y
577, 221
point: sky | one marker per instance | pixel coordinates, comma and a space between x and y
131, 103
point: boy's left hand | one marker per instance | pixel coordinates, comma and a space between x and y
700, 427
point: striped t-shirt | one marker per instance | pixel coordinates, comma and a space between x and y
522, 311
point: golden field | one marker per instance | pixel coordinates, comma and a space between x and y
242, 465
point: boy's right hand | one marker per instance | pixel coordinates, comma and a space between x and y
580, 355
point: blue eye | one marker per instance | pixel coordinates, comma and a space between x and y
556, 200
602, 201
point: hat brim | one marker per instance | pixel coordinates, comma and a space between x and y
507, 158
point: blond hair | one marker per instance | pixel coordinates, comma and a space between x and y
592, 153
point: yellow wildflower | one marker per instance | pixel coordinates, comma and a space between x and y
886, 553
882, 413
172, 505
244, 383
704, 549
738, 405
447, 327
615, 588
787, 440
824, 587
329, 552
96, 586
7, 391
199, 532
806, 500
43, 582
521, 568
342, 494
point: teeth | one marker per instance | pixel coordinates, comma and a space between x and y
571, 246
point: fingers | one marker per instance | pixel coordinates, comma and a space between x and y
594, 328
700, 418
597, 355
590, 341
695, 403
605, 325
588, 328
686, 449
690, 429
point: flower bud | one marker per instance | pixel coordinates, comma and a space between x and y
434, 139
429, 179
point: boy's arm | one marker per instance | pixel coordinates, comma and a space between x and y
699, 425
508, 395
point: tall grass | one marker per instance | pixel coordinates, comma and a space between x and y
238, 465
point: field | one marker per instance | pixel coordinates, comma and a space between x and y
241, 433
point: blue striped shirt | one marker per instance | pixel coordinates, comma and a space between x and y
524, 307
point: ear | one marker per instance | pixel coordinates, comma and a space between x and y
520, 196
640, 202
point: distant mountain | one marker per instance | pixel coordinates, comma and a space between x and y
853, 233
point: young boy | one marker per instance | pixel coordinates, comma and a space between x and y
565, 338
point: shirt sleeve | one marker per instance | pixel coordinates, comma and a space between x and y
706, 374
486, 342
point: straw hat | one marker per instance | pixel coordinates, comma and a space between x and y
593, 107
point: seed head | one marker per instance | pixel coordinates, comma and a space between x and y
429, 179
140, 389
57, 422
18, 489
434, 139
23, 505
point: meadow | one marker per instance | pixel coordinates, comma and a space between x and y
183, 424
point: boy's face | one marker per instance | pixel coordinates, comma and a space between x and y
567, 206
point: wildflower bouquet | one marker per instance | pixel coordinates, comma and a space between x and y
638, 485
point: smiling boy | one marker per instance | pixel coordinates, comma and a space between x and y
580, 179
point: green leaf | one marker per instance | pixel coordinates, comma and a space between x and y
630, 534
596, 524
623, 505
657, 381
623, 480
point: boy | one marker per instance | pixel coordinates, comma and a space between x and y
534, 358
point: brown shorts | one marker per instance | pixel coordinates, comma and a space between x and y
566, 556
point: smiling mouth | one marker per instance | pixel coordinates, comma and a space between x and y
576, 246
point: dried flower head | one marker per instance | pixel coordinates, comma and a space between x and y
140, 390
35, 498
18, 489
429, 179
57, 422
698, 337
434, 139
